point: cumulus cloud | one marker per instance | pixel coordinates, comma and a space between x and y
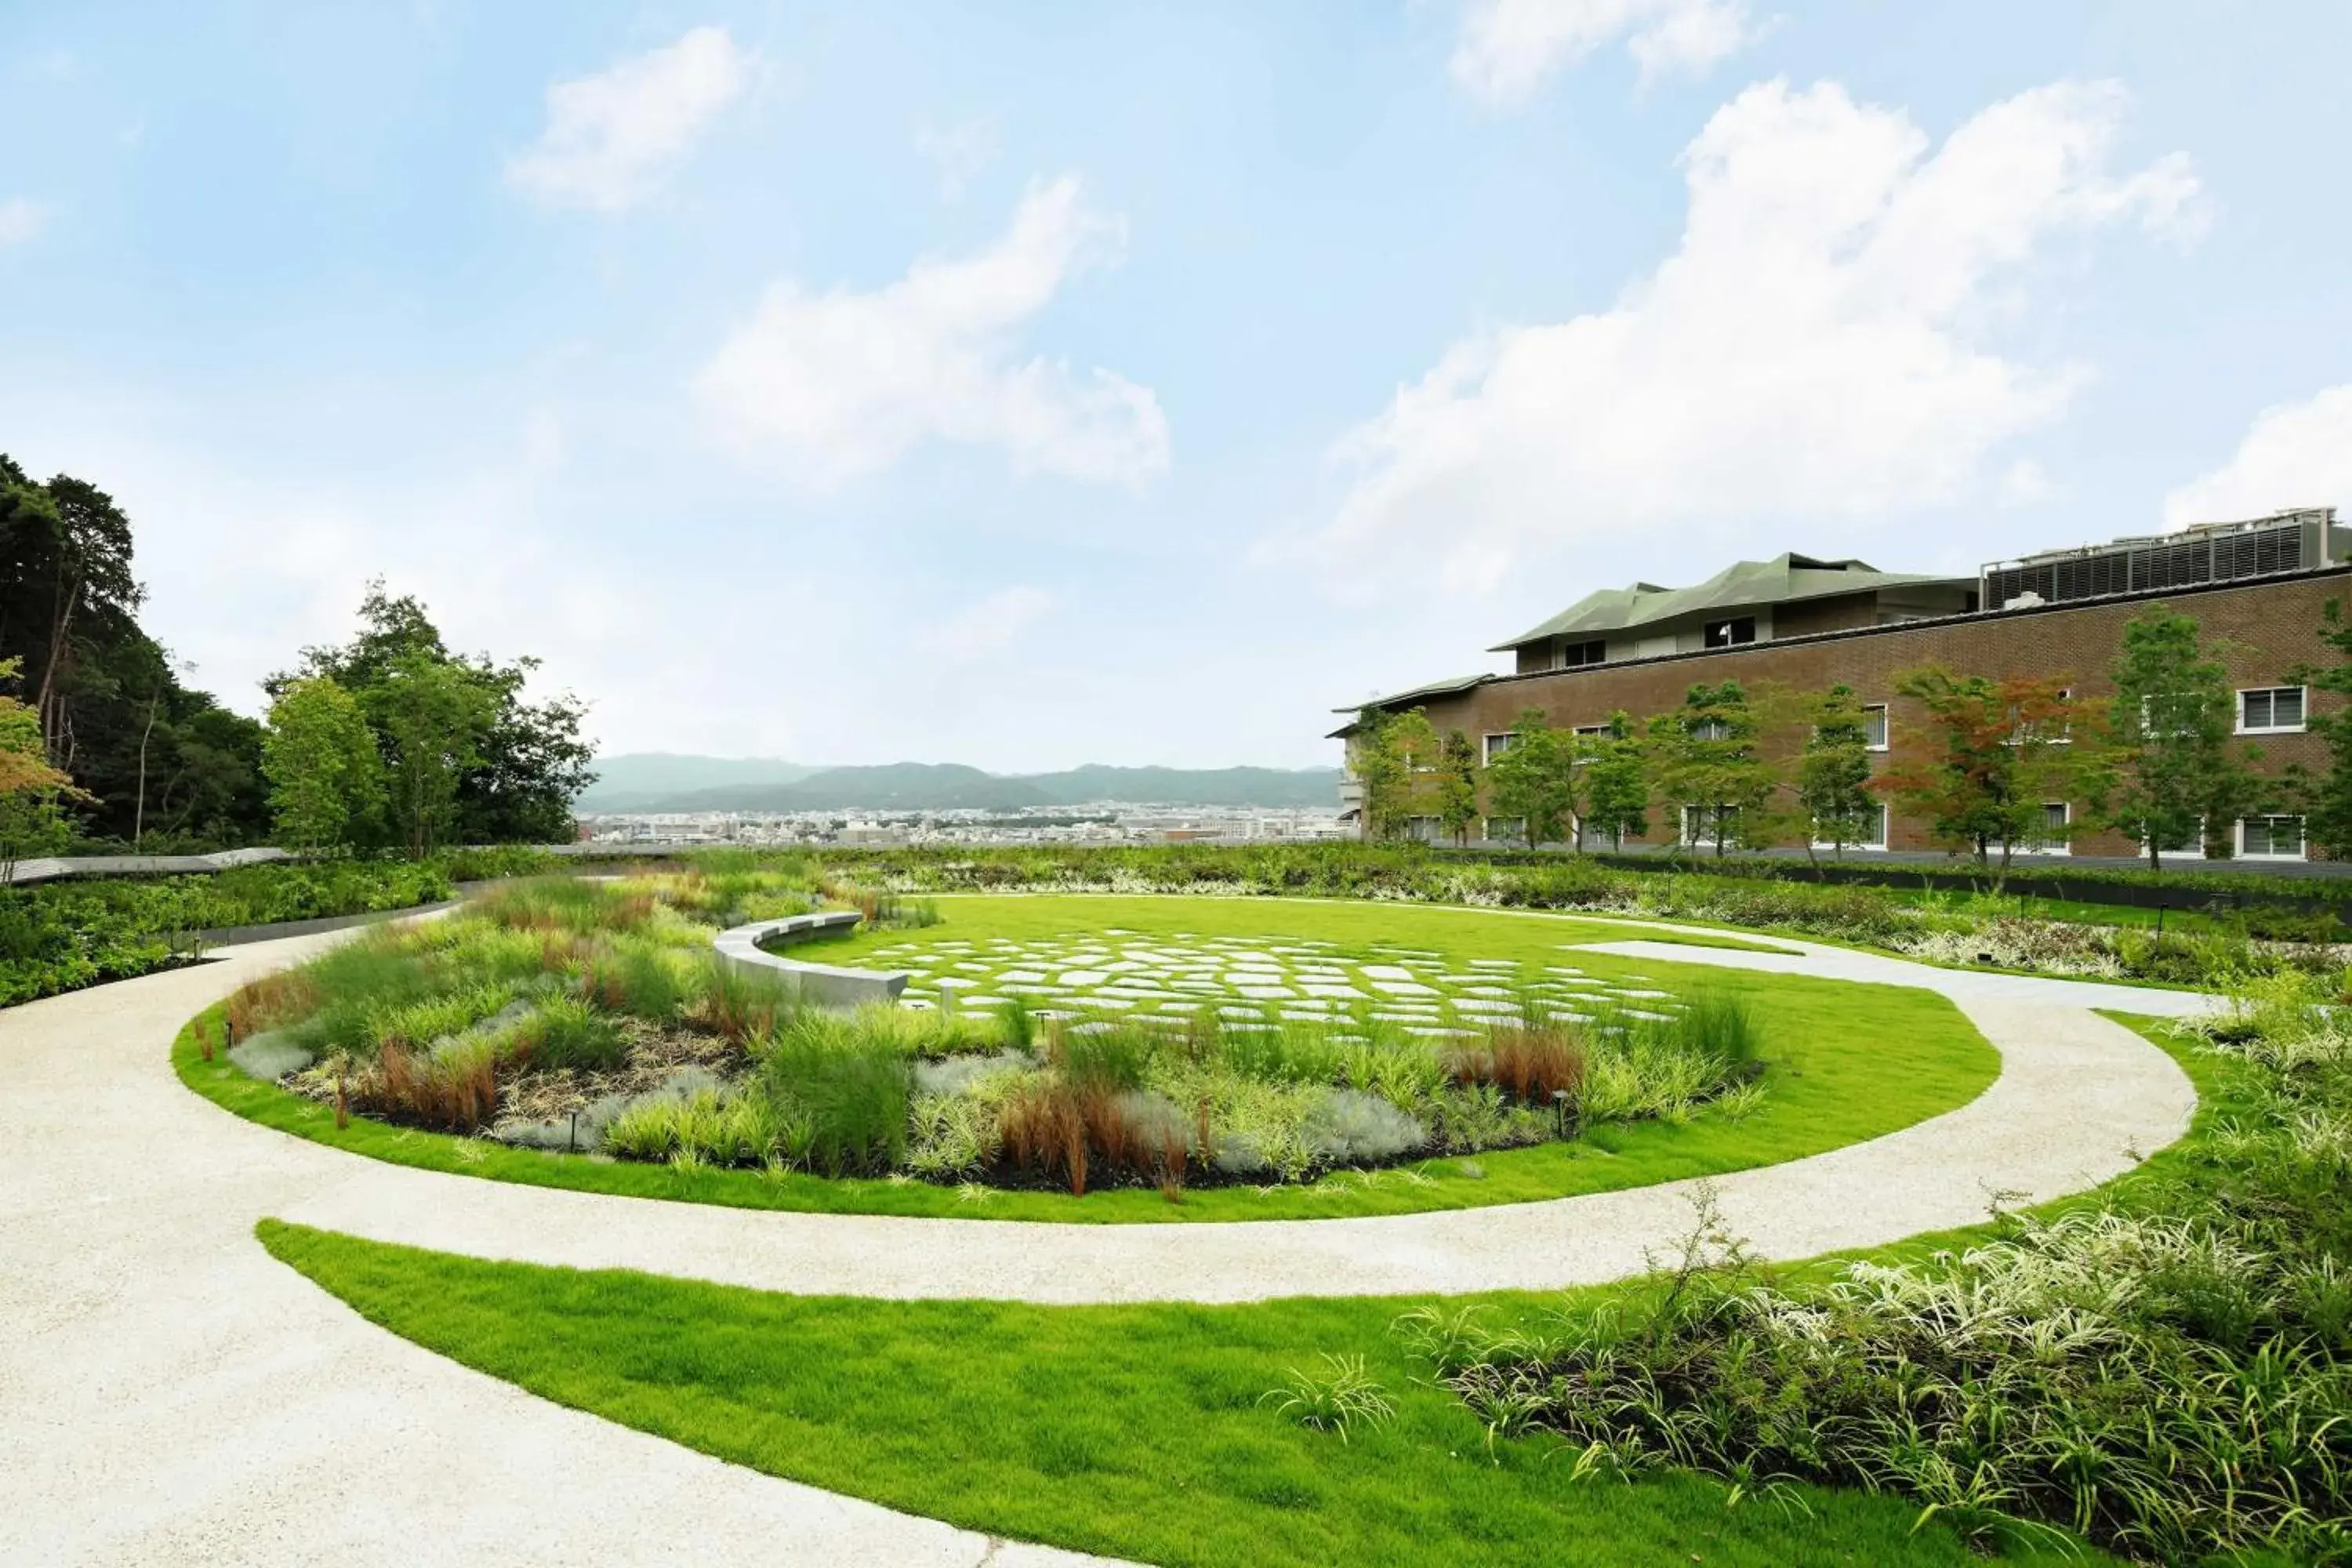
611, 137
1816, 348
20, 220
2293, 455
836, 385
1506, 47
990, 625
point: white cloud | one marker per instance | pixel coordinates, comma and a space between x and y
988, 625
2293, 455
833, 386
609, 137
20, 220
1506, 47
1815, 349
959, 153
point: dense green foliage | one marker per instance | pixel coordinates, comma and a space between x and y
1763, 894
2168, 1373
59, 936
465, 759
1844, 1063
161, 763
2179, 778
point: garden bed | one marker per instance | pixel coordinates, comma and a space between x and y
548, 1021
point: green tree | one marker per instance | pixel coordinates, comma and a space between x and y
524, 762
150, 756
1833, 782
33, 792
1989, 760
1616, 779
2326, 800
2178, 776
1455, 788
1704, 759
326, 776
1535, 778
1394, 757
432, 714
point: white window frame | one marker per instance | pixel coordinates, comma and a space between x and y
2302, 837
2196, 853
1886, 831
2303, 705
1885, 726
1489, 751
1690, 840
1436, 829
1486, 829
2061, 847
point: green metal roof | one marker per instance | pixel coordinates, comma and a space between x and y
1744, 586
1459, 684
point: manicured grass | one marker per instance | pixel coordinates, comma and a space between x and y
1846, 1063
1139, 1431
1135, 1431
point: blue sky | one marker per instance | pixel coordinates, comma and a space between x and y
1029, 385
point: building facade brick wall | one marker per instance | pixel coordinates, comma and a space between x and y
2258, 631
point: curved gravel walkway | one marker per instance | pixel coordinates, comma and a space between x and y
2079, 1099
170, 1393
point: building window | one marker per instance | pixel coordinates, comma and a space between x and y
1873, 726
1577, 655
2270, 711
1731, 633
1702, 825
1425, 830
1710, 730
2270, 838
2051, 838
1874, 833
1592, 729
1498, 744
1506, 829
2188, 846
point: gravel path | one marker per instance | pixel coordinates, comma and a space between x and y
2079, 1099
170, 1393
174, 1394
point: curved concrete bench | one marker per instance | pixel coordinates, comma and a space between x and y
821, 984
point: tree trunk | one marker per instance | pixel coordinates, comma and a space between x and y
139, 810
49, 699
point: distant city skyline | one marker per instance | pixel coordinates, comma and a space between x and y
1135, 385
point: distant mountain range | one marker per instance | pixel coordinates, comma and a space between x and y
660, 782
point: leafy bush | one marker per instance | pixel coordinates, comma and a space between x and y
2168, 1374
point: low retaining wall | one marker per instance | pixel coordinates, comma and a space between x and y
822, 985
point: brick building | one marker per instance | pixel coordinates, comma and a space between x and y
2256, 589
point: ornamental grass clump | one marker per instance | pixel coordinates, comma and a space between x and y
850, 1090
2168, 1375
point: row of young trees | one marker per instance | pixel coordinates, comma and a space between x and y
2159, 763
390, 741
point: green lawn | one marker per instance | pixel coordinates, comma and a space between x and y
1846, 1063
1139, 1431
1132, 1431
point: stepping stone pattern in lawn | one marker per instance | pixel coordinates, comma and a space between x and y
1258, 983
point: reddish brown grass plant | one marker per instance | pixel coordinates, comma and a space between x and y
457, 1096
1529, 1063
270, 1001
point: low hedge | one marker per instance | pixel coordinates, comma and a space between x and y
61, 936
